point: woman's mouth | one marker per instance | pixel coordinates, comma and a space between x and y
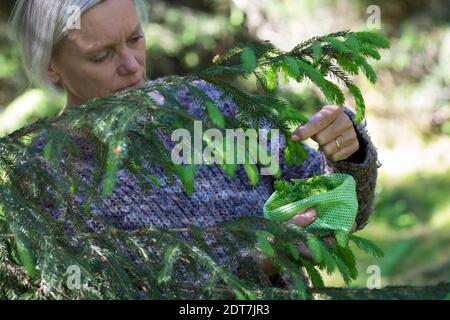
137, 84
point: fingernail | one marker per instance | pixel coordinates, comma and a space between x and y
295, 137
310, 214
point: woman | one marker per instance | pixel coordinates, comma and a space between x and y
104, 52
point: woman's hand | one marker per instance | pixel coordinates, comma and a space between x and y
333, 130
303, 219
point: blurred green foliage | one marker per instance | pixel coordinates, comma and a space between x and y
413, 200
184, 36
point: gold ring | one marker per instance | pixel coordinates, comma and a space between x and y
337, 144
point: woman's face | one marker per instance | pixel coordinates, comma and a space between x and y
105, 55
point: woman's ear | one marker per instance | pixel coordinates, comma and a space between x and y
53, 73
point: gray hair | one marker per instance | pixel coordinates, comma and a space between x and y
39, 26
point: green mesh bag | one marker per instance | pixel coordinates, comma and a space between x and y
336, 204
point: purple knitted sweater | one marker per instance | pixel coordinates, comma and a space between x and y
217, 197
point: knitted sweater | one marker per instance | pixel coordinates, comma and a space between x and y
218, 197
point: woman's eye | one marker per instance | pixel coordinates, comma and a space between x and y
136, 39
101, 59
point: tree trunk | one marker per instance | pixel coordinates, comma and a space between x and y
6, 7
436, 292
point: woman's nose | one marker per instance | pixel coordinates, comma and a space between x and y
128, 62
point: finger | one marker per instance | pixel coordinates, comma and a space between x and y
335, 129
346, 152
266, 265
346, 139
305, 218
330, 240
317, 123
304, 251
